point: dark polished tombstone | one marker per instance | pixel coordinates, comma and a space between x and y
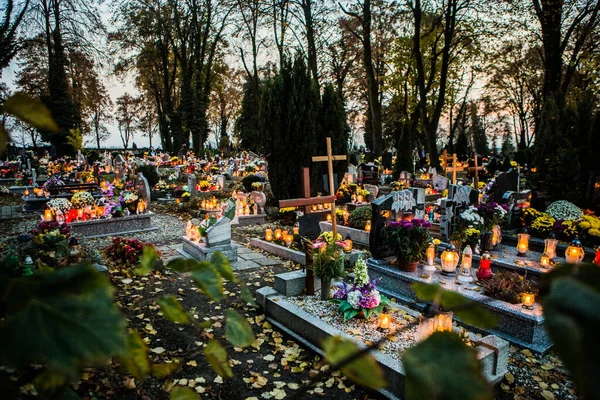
390, 208
459, 199
505, 182
309, 225
516, 202
368, 173
326, 183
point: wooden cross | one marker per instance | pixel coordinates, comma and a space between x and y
476, 170
308, 201
454, 168
329, 158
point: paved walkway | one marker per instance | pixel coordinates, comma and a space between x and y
248, 259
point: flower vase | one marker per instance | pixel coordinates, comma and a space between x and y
325, 289
407, 266
487, 241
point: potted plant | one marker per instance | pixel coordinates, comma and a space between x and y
409, 239
492, 214
328, 264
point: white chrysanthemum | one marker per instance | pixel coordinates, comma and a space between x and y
354, 299
564, 210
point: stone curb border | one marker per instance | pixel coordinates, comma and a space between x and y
309, 330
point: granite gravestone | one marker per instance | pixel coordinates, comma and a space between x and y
221, 181
142, 187
368, 174
309, 225
119, 166
326, 183
505, 182
191, 184
440, 183
460, 197
391, 208
516, 202
260, 200
373, 192
405, 178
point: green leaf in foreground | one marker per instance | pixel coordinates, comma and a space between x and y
136, 361
148, 259
572, 317
4, 138
468, 311
443, 367
221, 263
246, 295
183, 393
65, 319
49, 380
364, 370
216, 355
31, 111
207, 278
173, 310
162, 370
238, 331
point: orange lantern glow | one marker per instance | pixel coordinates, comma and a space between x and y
269, 235
48, 215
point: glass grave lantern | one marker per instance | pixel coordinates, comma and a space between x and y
522, 243
449, 259
269, 234
430, 258
597, 259
496, 235
545, 260
550, 246
575, 252
528, 299
465, 273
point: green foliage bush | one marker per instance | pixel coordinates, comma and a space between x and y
150, 174
359, 217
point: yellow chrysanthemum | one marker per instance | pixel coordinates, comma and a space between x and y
585, 225
594, 232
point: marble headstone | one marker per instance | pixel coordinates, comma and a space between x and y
142, 187
373, 192
260, 200
191, 184
440, 183
221, 181
119, 166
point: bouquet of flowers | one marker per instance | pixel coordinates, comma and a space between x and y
185, 196
129, 198
82, 199
262, 175
492, 214
53, 181
362, 192
397, 186
59, 205
362, 296
125, 253
204, 185
162, 185
256, 186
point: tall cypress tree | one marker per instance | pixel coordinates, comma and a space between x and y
288, 119
332, 122
248, 123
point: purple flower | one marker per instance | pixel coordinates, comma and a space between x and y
341, 292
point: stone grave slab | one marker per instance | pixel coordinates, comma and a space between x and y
132, 223
310, 330
515, 324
